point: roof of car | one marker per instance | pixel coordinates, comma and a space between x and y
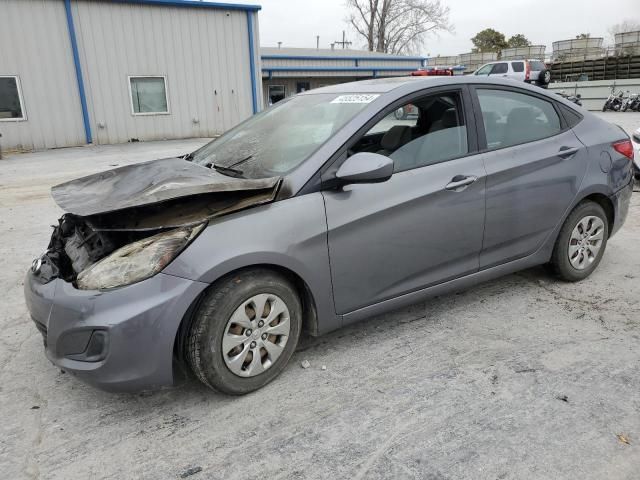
383, 85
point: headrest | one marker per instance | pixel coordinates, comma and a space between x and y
396, 137
450, 118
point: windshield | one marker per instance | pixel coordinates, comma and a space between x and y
276, 141
485, 70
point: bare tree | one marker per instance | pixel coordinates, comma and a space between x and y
625, 26
397, 26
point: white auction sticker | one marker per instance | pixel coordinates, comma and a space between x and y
356, 98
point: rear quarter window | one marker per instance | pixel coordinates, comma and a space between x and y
517, 66
570, 115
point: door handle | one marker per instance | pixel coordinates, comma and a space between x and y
460, 182
566, 152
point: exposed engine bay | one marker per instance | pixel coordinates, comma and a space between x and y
140, 213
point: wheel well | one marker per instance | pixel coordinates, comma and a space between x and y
309, 313
606, 204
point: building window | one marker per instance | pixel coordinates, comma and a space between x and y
11, 103
148, 95
303, 86
276, 93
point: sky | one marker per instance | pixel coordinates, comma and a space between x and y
296, 23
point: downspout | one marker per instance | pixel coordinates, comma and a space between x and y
78, 68
252, 62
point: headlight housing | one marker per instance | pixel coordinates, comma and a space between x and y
136, 261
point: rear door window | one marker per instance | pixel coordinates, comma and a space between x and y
500, 68
512, 118
517, 66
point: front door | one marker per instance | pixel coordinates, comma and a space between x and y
421, 227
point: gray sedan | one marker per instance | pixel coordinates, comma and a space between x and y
321, 211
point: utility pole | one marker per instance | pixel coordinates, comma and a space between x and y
317, 42
344, 42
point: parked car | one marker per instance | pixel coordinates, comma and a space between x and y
405, 112
529, 71
433, 72
636, 161
319, 212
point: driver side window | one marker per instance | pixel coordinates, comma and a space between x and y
427, 131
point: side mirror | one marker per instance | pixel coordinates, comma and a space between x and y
365, 167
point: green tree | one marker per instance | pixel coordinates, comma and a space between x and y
489, 40
518, 40
581, 36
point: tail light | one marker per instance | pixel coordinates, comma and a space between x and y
625, 147
527, 72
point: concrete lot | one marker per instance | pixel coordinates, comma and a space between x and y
523, 377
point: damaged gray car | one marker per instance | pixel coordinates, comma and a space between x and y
321, 211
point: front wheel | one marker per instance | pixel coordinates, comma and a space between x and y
581, 242
245, 331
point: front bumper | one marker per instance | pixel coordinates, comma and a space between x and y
137, 325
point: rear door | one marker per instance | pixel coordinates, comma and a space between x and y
424, 225
517, 70
535, 165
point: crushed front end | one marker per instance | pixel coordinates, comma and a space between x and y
98, 296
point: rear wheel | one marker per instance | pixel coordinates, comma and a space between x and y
245, 331
400, 114
581, 242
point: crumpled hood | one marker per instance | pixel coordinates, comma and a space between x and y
148, 183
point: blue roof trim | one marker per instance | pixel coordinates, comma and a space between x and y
353, 59
338, 69
197, 4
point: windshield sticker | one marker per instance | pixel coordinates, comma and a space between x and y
356, 98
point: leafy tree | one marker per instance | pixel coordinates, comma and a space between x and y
518, 40
489, 40
397, 26
582, 36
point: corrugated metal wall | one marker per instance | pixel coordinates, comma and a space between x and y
204, 53
35, 45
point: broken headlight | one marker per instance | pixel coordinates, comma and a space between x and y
136, 261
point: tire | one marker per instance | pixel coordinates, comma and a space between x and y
560, 263
400, 114
544, 78
212, 324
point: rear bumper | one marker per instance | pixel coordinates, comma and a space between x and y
116, 340
621, 200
